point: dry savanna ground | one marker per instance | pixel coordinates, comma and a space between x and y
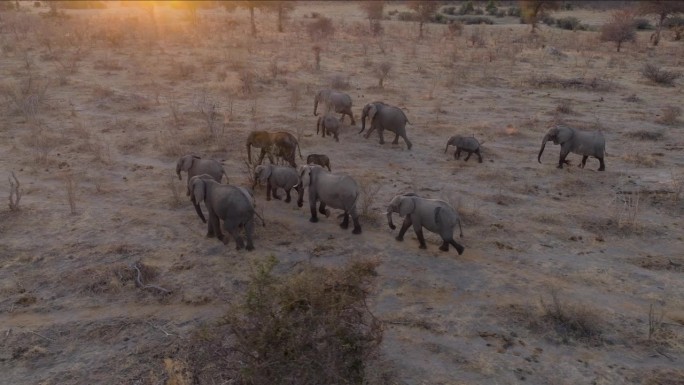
569, 276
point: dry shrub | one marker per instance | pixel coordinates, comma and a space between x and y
369, 194
382, 72
620, 28
564, 107
567, 322
27, 96
70, 186
176, 190
642, 160
339, 82
592, 84
15, 192
646, 135
659, 75
170, 144
311, 327
670, 115
320, 29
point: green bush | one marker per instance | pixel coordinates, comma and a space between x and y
467, 8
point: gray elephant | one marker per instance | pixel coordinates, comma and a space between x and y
194, 165
382, 117
228, 203
435, 215
335, 190
246, 192
319, 159
278, 177
579, 142
329, 124
334, 101
464, 143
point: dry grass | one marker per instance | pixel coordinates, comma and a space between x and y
670, 116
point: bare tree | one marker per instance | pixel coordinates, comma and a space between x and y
620, 28
663, 9
425, 10
250, 5
534, 10
373, 10
280, 8
382, 71
15, 192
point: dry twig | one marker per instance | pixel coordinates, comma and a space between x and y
15, 192
140, 284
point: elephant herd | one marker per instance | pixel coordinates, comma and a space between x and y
235, 205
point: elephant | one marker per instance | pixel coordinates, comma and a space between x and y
464, 143
194, 165
335, 190
385, 117
435, 215
329, 124
228, 203
278, 176
319, 159
579, 142
246, 192
285, 143
335, 101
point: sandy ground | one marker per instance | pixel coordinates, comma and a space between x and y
123, 91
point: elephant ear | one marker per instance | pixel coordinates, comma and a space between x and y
406, 206
264, 173
372, 110
187, 162
305, 176
198, 190
564, 134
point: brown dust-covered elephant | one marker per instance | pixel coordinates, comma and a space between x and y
281, 142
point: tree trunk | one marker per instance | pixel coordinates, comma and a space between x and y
280, 18
251, 16
420, 34
659, 27
619, 43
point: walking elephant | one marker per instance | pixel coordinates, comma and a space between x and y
334, 101
579, 142
246, 192
382, 117
435, 215
278, 177
464, 143
228, 203
194, 165
283, 143
329, 124
319, 159
335, 190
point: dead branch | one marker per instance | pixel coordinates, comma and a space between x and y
15, 192
140, 284
160, 329
41, 336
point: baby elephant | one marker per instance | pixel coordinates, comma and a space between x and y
435, 215
274, 176
464, 143
319, 159
329, 124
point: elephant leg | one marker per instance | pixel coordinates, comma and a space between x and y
562, 157
459, 248
287, 196
351, 116
404, 227
249, 232
444, 246
216, 227
357, 225
479, 156
235, 233
468, 156
321, 209
382, 137
312, 207
419, 233
583, 162
210, 227
262, 155
345, 221
457, 154
268, 191
603, 165
337, 139
273, 192
408, 142
396, 138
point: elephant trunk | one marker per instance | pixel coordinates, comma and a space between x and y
199, 211
389, 219
546, 139
249, 153
447, 147
178, 170
315, 106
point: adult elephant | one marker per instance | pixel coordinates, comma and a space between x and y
228, 203
194, 165
246, 192
282, 143
382, 117
584, 143
335, 101
435, 215
335, 190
